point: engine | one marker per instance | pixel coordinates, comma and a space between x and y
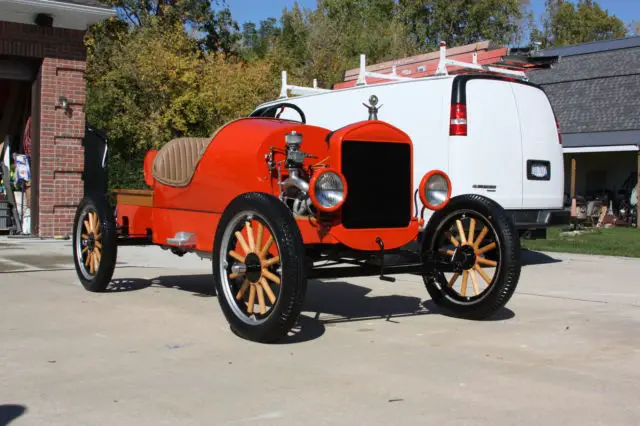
294, 189
307, 190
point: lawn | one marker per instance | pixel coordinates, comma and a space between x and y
612, 242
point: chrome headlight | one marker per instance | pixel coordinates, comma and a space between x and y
328, 190
435, 190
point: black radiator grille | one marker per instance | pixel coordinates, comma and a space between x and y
378, 178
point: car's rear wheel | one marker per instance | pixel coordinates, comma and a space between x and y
475, 234
259, 267
94, 242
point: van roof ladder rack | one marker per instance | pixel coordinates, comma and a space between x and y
298, 90
363, 74
442, 65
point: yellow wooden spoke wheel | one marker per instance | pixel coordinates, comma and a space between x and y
259, 267
256, 264
94, 243
479, 241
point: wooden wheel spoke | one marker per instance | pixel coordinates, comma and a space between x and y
98, 244
463, 289
237, 256
267, 274
452, 239
266, 247
252, 298
242, 290
482, 273
260, 232
85, 236
96, 223
472, 230
481, 236
463, 238
88, 259
486, 261
260, 292
252, 243
243, 242
453, 279
267, 289
271, 261
446, 251
236, 275
96, 260
486, 248
474, 279
84, 250
87, 226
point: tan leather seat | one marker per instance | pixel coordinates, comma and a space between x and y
176, 162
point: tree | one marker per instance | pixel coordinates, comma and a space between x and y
460, 22
249, 36
218, 29
566, 23
221, 32
322, 43
152, 84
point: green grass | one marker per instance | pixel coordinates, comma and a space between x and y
611, 242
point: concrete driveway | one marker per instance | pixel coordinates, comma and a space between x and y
157, 350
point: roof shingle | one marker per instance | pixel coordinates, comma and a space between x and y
595, 92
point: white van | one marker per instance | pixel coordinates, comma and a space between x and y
494, 136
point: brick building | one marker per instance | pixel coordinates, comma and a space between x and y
42, 101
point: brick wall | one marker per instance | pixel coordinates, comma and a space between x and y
61, 153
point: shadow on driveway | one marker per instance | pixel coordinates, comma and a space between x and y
530, 257
326, 303
10, 412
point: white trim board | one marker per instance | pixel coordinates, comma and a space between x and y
613, 148
65, 15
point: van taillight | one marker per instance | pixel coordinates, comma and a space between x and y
458, 123
559, 134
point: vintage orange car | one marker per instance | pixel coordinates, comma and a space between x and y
276, 202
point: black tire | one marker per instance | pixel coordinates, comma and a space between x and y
507, 254
274, 216
95, 279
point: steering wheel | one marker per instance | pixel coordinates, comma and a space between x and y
267, 112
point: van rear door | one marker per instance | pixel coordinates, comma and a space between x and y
543, 174
488, 160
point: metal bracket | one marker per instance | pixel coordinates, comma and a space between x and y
183, 240
382, 276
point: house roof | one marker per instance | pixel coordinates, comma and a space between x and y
71, 14
594, 47
595, 92
92, 3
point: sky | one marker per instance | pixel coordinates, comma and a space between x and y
256, 10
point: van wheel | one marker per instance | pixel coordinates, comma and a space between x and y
259, 267
95, 245
477, 236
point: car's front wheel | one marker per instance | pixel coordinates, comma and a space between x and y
475, 234
259, 267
